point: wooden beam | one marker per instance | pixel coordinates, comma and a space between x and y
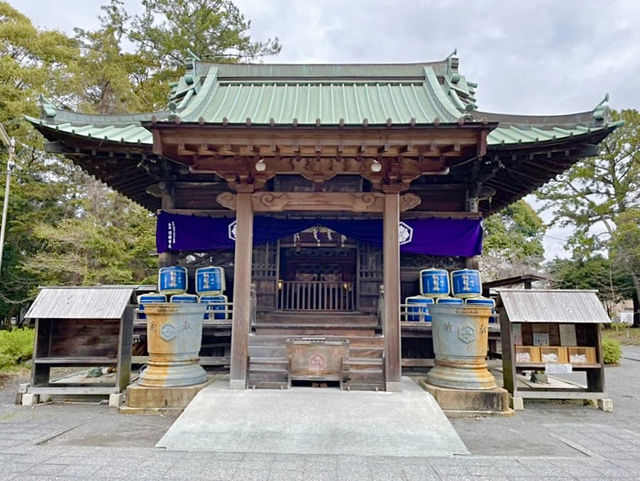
157, 142
368, 141
317, 201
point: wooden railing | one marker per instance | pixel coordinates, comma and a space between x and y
414, 313
316, 295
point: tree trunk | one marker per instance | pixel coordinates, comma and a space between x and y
636, 299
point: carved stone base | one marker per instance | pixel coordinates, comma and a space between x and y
149, 398
469, 402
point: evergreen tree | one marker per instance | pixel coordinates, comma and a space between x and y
512, 242
600, 195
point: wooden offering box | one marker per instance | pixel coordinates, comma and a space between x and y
317, 359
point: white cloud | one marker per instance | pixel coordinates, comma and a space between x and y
543, 57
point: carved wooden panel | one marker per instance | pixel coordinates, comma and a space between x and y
318, 201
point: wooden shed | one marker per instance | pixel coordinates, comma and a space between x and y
82, 327
556, 331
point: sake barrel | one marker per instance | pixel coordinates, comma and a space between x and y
422, 311
216, 306
449, 300
172, 280
466, 283
210, 281
480, 301
483, 301
184, 299
434, 282
151, 298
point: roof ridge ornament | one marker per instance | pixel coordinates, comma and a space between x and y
46, 106
191, 61
601, 111
453, 63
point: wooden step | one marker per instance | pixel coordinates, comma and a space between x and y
258, 352
364, 364
268, 385
315, 331
265, 376
370, 342
365, 352
314, 325
363, 386
367, 376
315, 317
267, 362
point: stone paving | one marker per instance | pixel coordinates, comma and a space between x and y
39, 444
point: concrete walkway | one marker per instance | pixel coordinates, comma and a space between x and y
315, 421
549, 441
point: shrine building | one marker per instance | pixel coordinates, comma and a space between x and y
326, 187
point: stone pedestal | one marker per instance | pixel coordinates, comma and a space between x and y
470, 402
141, 399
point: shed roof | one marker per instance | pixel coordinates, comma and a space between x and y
549, 305
105, 302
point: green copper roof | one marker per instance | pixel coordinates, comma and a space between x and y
325, 95
132, 133
307, 95
136, 134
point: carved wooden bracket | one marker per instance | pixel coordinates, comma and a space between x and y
317, 201
409, 201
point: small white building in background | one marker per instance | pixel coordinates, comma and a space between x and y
626, 316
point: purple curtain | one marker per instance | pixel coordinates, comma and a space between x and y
443, 237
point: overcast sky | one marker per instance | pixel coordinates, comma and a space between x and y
533, 57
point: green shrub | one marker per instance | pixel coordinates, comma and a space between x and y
618, 326
611, 351
6, 361
16, 346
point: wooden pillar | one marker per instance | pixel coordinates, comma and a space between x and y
166, 259
241, 292
391, 280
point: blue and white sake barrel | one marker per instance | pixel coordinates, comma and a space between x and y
184, 299
216, 306
484, 301
210, 281
480, 301
172, 280
418, 304
434, 282
449, 300
151, 298
466, 283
